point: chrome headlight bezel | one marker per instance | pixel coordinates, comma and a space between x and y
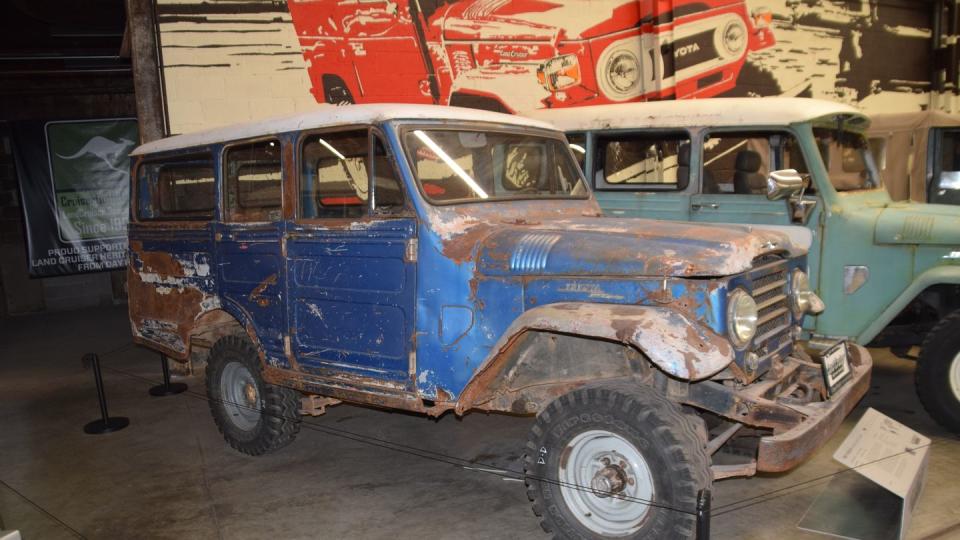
733, 38
742, 314
799, 292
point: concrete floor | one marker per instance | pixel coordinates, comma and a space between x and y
170, 475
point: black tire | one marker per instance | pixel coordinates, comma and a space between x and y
671, 443
754, 81
937, 365
266, 420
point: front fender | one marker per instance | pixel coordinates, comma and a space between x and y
676, 344
940, 275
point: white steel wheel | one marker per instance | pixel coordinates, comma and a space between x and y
955, 376
616, 461
605, 482
240, 396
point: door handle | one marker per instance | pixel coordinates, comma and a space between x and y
712, 206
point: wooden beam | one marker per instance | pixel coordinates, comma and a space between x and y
147, 77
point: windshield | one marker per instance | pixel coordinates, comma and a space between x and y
847, 157
460, 166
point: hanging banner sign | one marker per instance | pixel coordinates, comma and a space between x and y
74, 184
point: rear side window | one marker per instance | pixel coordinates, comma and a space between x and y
253, 181
180, 189
655, 161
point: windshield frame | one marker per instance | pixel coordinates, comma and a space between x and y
405, 129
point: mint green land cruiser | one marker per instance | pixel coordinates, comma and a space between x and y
888, 270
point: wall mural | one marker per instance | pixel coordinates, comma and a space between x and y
229, 61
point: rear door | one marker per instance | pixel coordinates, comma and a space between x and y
351, 262
248, 238
643, 174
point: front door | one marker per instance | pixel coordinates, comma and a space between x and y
733, 180
351, 262
248, 239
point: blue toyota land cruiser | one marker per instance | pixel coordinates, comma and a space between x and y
434, 259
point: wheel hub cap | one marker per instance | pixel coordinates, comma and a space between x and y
605, 482
609, 481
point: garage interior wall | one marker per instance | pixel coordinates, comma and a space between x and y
59, 65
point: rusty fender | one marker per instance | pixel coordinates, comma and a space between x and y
676, 344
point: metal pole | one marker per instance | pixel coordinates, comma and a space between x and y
98, 379
167, 388
703, 514
106, 424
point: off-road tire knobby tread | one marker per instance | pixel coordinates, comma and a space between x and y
280, 418
683, 435
931, 378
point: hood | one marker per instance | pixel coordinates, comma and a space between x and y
627, 247
919, 223
537, 20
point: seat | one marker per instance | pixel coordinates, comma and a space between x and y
683, 166
747, 179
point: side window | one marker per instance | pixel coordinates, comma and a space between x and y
946, 183
180, 188
252, 182
654, 161
736, 163
578, 144
336, 173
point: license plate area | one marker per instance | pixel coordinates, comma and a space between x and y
836, 367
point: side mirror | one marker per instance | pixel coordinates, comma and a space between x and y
784, 184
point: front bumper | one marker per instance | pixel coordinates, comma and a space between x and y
787, 449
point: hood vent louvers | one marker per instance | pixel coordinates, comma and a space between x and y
532, 252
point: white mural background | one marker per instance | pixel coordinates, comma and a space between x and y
226, 62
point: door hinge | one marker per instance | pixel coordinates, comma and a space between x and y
283, 246
287, 348
410, 255
412, 359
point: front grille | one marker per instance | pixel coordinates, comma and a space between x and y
768, 286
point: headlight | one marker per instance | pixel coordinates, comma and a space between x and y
620, 74
734, 37
559, 72
803, 300
741, 317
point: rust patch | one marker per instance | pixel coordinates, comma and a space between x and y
256, 295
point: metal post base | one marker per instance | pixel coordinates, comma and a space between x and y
171, 389
114, 423
167, 388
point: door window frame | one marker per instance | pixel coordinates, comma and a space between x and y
224, 209
595, 161
370, 213
182, 155
776, 161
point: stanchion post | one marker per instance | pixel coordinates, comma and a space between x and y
703, 514
106, 424
167, 388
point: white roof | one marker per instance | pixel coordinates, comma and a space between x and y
713, 112
329, 115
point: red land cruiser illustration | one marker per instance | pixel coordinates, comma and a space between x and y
519, 55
